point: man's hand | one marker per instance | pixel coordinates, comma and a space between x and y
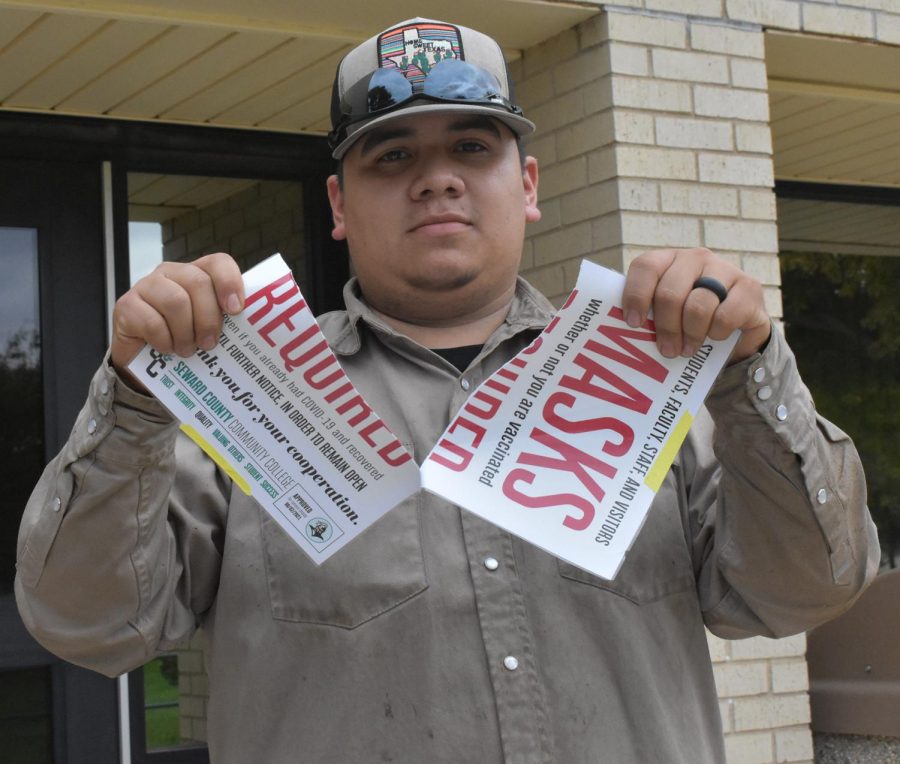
176, 309
663, 280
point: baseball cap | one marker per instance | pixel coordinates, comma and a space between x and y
420, 66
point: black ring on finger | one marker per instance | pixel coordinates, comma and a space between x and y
713, 285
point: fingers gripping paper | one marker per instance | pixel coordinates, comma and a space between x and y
564, 446
272, 406
567, 444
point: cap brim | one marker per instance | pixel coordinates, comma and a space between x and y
519, 125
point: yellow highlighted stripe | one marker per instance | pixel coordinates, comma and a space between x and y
660, 467
217, 458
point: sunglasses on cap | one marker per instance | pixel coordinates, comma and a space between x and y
449, 81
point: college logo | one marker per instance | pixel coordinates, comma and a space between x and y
414, 49
159, 359
319, 530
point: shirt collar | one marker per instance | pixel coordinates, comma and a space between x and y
529, 310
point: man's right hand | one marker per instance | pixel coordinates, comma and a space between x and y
175, 309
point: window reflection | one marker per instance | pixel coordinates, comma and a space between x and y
21, 394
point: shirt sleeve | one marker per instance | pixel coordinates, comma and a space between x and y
782, 538
112, 567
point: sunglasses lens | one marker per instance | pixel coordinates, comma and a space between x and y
458, 81
387, 88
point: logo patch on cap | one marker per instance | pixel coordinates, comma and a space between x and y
415, 48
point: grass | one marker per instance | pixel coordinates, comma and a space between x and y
162, 723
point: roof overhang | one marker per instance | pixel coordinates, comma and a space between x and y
265, 65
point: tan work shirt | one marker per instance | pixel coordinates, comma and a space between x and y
435, 636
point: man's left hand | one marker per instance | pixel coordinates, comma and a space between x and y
684, 315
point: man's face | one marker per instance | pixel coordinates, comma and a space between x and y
433, 208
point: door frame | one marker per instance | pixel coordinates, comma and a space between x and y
87, 143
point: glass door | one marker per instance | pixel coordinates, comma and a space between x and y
52, 336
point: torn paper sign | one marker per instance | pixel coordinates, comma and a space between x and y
567, 444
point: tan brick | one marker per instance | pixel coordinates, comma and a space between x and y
634, 127
758, 205
550, 218
734, 679
887, 28
606, 231
645, 93
764, 268
591, 133
771, 711
640, 195
646, 30
725, 707
708, 8
793, 745
597, 96
527, 261
762, 647
563, 177
736, 170
777, 14
590, 202
629, 59
713, 101
845, 22
535, 90
587, 66
716, 38
190, 662
698, 200
571, 241
740, 235
543, 149
560, 48
755, 138
660, 230
549, 281
693, 133
609, 258
873, 5
790, 676
746, 73
652, 162
689, 66
772, 300
592, 32
602, 165
559, 112
719, 649
753, 748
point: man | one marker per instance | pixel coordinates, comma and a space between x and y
436, 636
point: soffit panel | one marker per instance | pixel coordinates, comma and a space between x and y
222, 62
822, 226
835, 110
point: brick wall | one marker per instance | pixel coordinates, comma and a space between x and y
254, 223
652, 132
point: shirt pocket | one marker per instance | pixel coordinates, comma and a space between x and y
657, 565
373, 574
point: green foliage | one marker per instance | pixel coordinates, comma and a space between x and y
162, 719
841, 315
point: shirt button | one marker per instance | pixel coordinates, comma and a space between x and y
510, 663
92, 426
104, 387
491, 563
764, 393
464, 383
56, 505
781, 412
821, 496
759, 375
